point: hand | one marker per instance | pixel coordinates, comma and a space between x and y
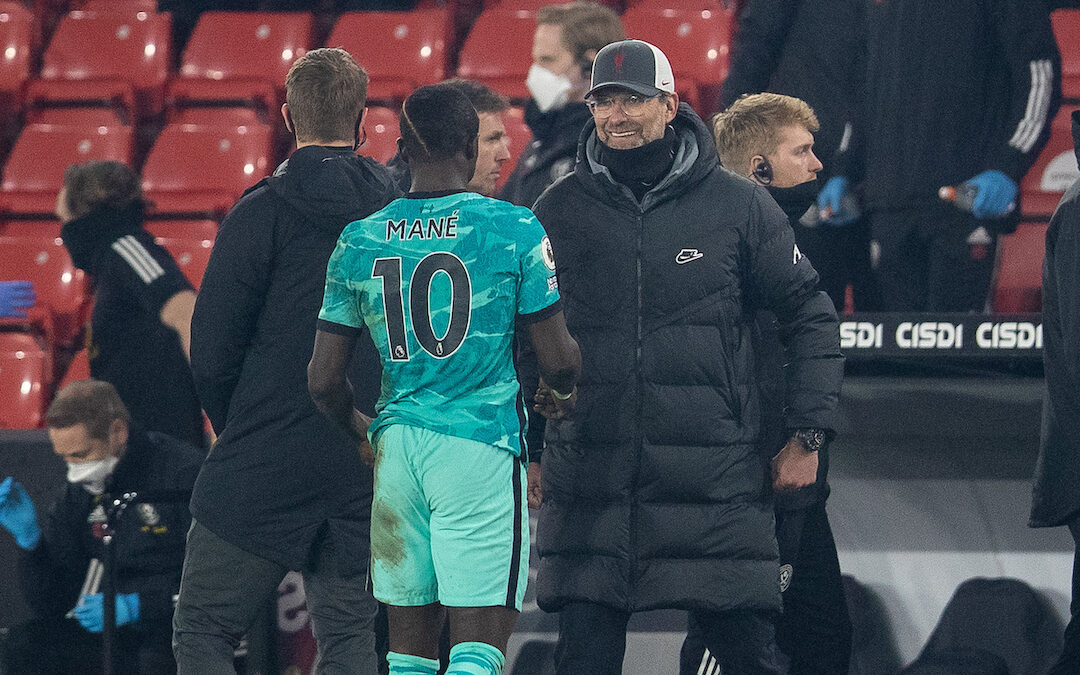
90, 612
794, 467
997, 194
15, 297
830, 201
552, 407
535, 493
17, 514
361, 423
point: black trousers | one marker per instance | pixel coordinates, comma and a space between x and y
592, 639
1069, 663
814, 631
925, 263
841, 256
59, 646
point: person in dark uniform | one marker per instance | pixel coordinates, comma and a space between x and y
283, 488
139, 333
565, 43
106, 456
956, 92
1055, 500
769, 138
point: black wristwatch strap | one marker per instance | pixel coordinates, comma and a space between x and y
811, 439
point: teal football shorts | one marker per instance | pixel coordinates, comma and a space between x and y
449, 522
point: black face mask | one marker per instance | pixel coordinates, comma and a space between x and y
795, 200
87, 236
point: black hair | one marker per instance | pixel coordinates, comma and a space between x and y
437, 122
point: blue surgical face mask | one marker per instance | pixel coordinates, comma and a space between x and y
91, 475
550, 91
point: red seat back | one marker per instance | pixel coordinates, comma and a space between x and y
24, 380
16, 34
1054, 170
34, 172
246, 46
520, 137
1066, 24
696, 42
195, 168
121, 45
33, 250
498, 51
381, 134
1019, 280
399, 50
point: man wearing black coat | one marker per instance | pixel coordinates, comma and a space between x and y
1056, 501
283, 488
654, 493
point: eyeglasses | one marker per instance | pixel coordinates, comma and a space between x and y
632, 105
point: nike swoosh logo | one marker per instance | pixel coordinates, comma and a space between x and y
688, 255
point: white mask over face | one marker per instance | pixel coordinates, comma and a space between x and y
548, 89
92, 475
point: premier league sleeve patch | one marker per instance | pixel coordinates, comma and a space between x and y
547, 253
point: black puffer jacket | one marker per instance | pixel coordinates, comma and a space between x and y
655, 494
280, 473
550, 154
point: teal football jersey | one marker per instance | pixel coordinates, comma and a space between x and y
440, 281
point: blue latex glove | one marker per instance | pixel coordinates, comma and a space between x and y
15, 298
996, 196
90, 612
831, 200
17, 514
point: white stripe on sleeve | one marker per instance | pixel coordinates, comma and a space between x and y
140, 260
1038, 104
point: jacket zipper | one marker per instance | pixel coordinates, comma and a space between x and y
640, 441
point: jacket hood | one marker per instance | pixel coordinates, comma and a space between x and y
1076, 133
695, 158
322, 181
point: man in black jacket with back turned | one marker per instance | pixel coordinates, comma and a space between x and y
654, 492
283, 488
1056, 501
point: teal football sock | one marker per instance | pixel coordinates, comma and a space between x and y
407, 664
475, 658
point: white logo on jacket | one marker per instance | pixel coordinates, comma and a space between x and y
687, 255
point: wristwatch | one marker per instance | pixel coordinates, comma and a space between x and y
811, 439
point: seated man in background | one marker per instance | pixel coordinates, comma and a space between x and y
769, 138
140, 331
91, 430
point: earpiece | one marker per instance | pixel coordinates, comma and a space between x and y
763, 172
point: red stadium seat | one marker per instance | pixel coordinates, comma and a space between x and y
1054, 170
233, 55
35, 169
381, 133
77, 369
1019, 279
189, 242
498, 51
16, 36
399, 50
696, 43
98, 55
520, 137
33, 250
24, 380
194, 168
1067, 30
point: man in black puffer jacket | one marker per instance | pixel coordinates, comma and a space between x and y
283, 488
654, 494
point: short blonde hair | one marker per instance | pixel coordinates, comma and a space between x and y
586, 26
326, 91
751, 126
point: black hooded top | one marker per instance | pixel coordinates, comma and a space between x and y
280, 471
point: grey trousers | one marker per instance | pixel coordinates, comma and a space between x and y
223, 587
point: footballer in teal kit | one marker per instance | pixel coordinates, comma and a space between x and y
441, 279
